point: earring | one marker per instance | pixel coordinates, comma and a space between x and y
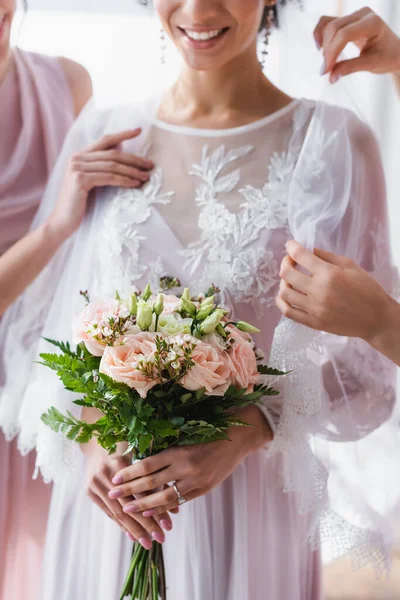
163, 46
267, 34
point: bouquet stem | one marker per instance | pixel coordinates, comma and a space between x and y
146, 575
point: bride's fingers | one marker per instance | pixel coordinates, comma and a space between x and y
143, 484
159, 500
97, 500
163, 519
146, 467
115, 508
155, 511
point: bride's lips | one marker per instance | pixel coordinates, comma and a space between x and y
203, 39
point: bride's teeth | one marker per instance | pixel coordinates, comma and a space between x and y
203, 36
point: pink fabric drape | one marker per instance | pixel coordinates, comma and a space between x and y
36, 113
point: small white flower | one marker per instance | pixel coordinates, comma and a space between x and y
107, 331
171, 356
175, 365
187, 338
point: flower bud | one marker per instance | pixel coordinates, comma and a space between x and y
144, 315
186, 294
159, 305
211, 323
188, 306
220, 329
147, 293
132, 304
207, 301
246, 327
204, 311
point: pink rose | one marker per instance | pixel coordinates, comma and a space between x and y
122, 363
91, 325
244, 363
211, 370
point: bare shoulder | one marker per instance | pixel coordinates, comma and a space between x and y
79, 81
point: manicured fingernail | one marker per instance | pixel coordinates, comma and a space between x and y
335, 78
145, 543
115, 494
158, 537
130, 508
166, 525
118, 479
149, 513
130, 536
323, 68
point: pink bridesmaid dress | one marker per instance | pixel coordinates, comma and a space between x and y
36, 111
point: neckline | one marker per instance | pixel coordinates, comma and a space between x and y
199, 132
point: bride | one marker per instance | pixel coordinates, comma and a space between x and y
241, 169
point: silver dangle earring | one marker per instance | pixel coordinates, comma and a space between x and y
267, 34
163, 46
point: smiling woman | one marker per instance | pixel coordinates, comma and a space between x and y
236, 163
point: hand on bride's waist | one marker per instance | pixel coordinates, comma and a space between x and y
196, 470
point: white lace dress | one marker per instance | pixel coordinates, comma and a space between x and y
216, 211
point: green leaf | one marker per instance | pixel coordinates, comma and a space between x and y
64, 346
186, 397
266, 370
144, 442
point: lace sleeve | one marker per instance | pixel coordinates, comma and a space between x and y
359, 381
338, 389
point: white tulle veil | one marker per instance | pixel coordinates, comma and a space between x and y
340, 470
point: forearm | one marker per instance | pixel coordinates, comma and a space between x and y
93, 449
255, 437
387, 340
23, 262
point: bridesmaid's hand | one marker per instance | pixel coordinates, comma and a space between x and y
336, 296
100, 471
196, 470
102, 164
379, 46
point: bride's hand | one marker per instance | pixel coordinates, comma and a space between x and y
101, 469
102, 164
196, 470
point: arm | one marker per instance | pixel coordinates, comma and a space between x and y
337, 296
359, 382
379, 46
79, 81
98, 165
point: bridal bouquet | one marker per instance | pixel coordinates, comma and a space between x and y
163, 371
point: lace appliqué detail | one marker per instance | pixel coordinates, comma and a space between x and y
120, 243
227, 250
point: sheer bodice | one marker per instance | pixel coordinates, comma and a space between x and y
218, 209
